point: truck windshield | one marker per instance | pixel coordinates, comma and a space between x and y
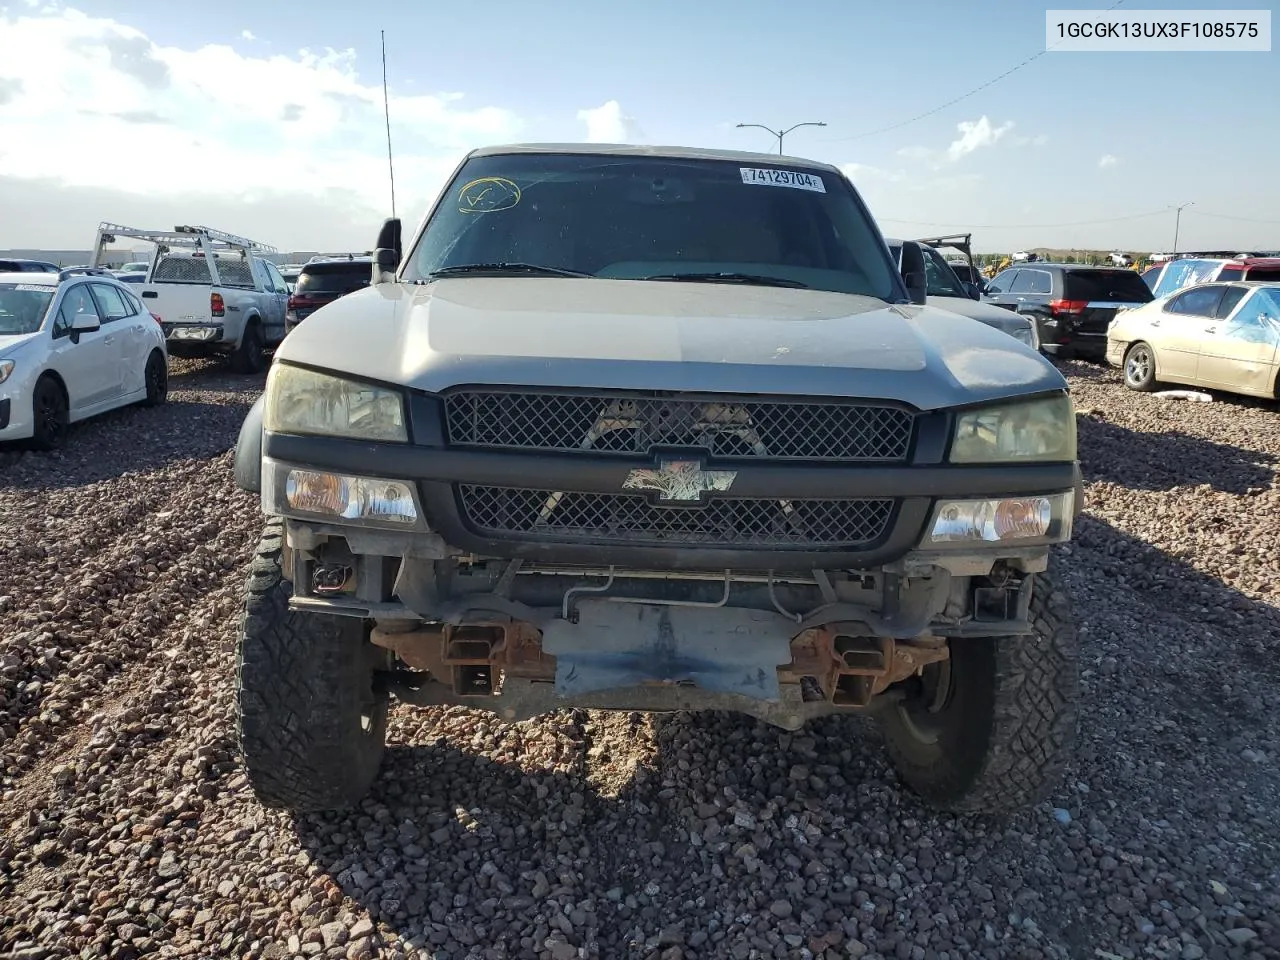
23, 306
636, 218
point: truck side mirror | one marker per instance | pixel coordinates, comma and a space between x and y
975, 292
913, 274
387, 251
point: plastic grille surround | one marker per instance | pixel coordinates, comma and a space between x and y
522, 513
723, 426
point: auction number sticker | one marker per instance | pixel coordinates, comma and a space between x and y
783, 178
34, 287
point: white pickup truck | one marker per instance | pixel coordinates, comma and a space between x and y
214, 292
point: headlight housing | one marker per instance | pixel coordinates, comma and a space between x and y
6, 368
303, 401
339, 498
1016, 521
1027, 431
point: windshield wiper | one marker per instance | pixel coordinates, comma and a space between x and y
753, 278
505, 267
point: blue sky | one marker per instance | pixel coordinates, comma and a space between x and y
685, 73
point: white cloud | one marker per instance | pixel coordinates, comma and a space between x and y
608, 124
247, 35
975, 134
210, 121
1107, 160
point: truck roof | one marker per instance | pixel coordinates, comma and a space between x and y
636, 150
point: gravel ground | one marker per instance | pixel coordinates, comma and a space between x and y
129, 831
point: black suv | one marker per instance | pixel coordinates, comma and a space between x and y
324, 280
1071, 304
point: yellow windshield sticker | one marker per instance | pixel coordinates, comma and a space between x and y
487, 195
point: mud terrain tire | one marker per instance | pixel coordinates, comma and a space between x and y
311, 725
1007, 723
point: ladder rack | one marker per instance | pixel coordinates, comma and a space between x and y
190, 236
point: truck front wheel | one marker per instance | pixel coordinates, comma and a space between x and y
991, 729
312, 724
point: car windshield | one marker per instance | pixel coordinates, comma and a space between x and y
636, 218
23, 306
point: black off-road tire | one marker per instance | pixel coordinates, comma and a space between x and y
248, 356
156, 378
311, 723
1007, 726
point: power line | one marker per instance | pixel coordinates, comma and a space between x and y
1224, 216
963, 96
1023, 226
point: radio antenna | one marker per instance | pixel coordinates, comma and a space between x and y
386, 106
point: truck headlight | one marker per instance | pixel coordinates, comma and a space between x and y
306, 402
324, 495
1006, 520
6, 368
1035, 431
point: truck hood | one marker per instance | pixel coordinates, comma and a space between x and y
987, 313
656, 335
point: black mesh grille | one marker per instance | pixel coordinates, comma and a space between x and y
724, 521
726, 427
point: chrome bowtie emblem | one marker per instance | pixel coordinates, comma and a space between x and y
683, 480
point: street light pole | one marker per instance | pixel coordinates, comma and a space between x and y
1177, 222
782, 133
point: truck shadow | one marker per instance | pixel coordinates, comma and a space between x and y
1143, 460
725, 818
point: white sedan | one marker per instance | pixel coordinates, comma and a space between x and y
1224, 336
73, 345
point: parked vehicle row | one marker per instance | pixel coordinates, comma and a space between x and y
73, 344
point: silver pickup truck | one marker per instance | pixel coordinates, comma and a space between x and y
655, 429
214, 293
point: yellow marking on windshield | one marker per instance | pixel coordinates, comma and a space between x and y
488, 195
